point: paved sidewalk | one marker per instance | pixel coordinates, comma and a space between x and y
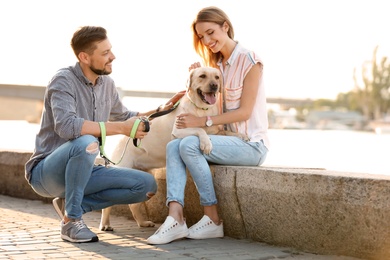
30, 230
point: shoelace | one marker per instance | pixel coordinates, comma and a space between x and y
79, 224
208, 223
165, 227
173, 225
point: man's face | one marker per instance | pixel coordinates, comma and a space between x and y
101, 59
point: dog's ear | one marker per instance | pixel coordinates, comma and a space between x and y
190, 78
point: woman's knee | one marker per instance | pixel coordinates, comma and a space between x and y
173, 145
189, 144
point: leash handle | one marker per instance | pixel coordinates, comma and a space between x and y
102, 141
134, 128
145, 120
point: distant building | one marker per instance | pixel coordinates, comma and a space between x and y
337, 120
282, 119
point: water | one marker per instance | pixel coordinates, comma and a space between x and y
338, 150
347, 151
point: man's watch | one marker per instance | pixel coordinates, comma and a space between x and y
209, 122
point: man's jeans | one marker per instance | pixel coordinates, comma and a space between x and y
69, 172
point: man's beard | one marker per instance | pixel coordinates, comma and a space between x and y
99, 72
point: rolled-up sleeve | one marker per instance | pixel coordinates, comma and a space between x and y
64, 108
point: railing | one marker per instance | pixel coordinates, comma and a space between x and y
37, 93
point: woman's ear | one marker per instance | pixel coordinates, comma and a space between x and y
225, 27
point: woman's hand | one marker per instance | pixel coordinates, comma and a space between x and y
186, 120
194, 66
172, 101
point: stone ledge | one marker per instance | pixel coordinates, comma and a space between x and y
312, 210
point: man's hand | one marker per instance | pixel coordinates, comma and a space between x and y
140, 130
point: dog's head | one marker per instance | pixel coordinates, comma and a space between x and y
204, 86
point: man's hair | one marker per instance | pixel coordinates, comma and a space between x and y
85, 39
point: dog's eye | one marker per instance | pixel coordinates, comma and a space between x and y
216, 77
202, 76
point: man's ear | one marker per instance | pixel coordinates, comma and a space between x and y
83, 57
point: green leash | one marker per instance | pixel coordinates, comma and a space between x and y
145, 120
102, 141
150, 117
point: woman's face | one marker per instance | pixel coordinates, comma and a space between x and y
212, 35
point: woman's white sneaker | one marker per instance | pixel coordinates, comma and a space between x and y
205, 228
170, 230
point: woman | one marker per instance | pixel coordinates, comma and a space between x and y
244, 112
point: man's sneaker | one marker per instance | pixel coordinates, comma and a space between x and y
77, 231
205, 228
170, 230
59, 206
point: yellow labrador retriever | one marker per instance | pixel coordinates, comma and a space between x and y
202, 98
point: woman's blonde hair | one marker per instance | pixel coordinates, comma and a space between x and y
210, 14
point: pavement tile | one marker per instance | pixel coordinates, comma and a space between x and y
30, 230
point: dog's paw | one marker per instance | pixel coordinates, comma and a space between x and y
243, 137
205, 144
106, 228
146, 223
230, 133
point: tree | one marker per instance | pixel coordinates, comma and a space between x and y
373, 93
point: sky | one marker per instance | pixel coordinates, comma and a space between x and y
309, 47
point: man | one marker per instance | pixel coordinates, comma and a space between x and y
63, 163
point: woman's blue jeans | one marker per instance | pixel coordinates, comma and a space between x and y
69, 172
185, 153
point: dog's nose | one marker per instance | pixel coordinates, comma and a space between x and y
213, 86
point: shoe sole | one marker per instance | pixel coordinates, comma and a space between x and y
206, 235
66, 238
166, 241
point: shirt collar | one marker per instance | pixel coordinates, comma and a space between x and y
232, 57
79, 73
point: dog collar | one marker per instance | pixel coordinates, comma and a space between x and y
188, 96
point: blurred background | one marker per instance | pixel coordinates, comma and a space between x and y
326, 68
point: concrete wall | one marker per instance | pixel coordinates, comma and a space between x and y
312, 210
20, 109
